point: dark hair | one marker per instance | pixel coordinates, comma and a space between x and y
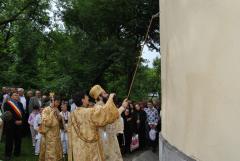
46, 93
56, 98
12, 93
46, 102
98, 98
150, 101
77, 98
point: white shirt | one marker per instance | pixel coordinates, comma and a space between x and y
6, 96
40, 102
23, 101
1, 121
37, 121
73, 107
65, 115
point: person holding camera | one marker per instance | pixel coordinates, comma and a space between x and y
64, 135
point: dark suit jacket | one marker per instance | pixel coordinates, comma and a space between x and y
15, 117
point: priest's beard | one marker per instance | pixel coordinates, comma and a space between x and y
104, 99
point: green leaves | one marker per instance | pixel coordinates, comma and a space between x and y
100, 43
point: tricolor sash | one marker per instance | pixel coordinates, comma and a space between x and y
15, 108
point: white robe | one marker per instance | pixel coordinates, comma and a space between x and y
64, 134
108, 138
38, 136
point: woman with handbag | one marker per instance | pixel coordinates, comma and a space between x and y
128, 130
139, 120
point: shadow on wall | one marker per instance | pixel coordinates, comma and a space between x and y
168, 152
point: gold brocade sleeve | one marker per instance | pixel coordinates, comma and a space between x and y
70, 150
47, 120
47, 117
103, 115
119, 126
121, 109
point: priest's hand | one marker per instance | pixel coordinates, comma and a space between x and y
125, 103
112, 95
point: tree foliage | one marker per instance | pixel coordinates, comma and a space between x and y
100, 43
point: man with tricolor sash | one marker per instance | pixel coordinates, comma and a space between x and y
13, 125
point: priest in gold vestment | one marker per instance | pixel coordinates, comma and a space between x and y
108, 134
51, 148
84, 124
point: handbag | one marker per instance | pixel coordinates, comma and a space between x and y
135, 142
152, 134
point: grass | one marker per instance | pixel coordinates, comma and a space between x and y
27, 151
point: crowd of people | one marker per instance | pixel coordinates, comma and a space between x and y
139, 118
24, 113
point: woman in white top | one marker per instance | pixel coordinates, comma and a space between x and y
64, 138
38, 136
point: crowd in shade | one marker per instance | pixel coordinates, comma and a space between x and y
20, 116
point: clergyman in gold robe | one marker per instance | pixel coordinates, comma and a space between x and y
51, 148
83, 128
108, 134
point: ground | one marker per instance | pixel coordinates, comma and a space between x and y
27, 153
146, 155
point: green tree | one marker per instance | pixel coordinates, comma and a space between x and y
114, 31
99, 43
21, 25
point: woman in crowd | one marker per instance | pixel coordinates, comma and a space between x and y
139, 124
37, 122
31, 120
131, 107
66, 116
128, 129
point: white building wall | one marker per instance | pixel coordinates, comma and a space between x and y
200, 47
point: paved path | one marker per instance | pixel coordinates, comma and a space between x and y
142, 156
